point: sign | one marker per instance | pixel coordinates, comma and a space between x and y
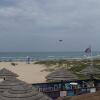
48, 87
92, 90
73, 83
63, 93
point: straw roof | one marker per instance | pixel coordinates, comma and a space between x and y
9, 83
22, 93
61, 75
15, 89
90, 70
6, 73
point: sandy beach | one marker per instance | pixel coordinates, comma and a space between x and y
30, 73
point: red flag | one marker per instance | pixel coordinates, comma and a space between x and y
88, 50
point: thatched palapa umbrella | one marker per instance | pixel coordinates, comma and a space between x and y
90, 71
15, 89
62, 74
22, 91
4, 73
9, 83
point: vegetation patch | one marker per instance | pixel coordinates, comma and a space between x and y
74, 66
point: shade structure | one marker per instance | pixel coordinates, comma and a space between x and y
15, 89
9, 83
90, 70
62, 74
6, 73
22, 93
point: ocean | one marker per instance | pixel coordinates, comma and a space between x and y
45, 55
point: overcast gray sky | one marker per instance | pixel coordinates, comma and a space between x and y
37, 25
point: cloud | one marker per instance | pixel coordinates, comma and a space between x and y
6, 3
51, 19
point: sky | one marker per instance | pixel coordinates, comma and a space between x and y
38, 25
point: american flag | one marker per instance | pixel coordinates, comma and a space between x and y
88, 50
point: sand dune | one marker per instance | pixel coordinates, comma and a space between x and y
30, 73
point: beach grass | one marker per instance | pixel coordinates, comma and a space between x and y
72, 65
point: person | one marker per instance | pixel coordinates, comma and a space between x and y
28, 60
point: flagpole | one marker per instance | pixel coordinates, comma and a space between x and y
91, 56
88, 51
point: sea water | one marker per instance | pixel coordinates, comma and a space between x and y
46, 55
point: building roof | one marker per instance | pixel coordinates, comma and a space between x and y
6, 73
62, 74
